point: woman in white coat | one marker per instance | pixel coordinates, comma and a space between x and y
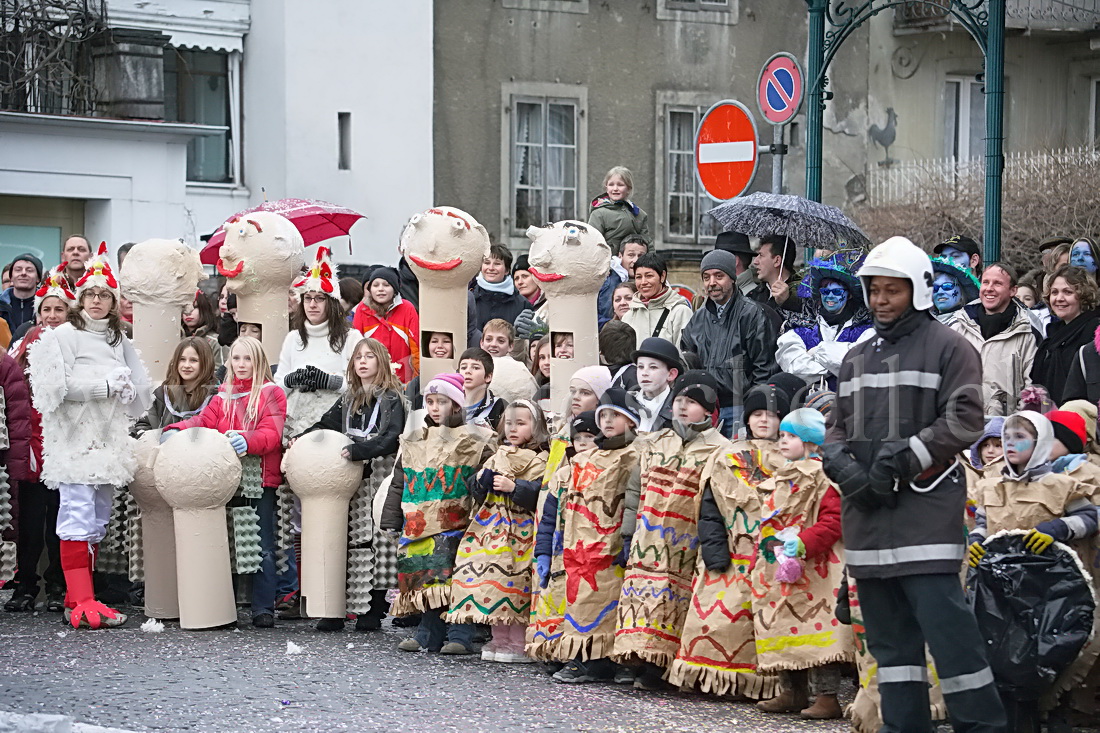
90, 386
315, 356
815, 341
656, 310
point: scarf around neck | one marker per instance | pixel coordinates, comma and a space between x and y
992, 324
505, 286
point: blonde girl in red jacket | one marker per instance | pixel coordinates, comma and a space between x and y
250, 410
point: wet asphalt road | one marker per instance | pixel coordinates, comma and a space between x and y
245, 681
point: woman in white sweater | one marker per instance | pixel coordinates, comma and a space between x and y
90, 386
316, 354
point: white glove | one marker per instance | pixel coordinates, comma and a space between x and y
829, 354
120, 386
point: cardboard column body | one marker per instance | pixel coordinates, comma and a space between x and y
197, 472
158, 535
570, 260
160, 277
261, 256
325, 482
445, 248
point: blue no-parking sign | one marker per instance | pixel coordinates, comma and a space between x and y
779, 88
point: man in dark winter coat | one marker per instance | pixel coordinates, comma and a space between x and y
732, 336
495, 295
17, 302
907, 403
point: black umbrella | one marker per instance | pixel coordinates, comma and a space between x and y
808, 223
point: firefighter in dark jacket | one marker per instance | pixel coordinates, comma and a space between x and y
909, 400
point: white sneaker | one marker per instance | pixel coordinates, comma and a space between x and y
512, 657
489, 655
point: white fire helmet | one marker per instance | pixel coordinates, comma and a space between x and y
898, 257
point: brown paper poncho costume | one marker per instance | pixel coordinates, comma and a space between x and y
591, 524
718, 646
663, 550
794, 622
436, 504
492, 576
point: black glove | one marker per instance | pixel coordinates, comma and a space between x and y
485, 479
316, 379
843, 612
850, 477
295, 378
895, 461
355, 451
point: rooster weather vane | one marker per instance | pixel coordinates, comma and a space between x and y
885, 136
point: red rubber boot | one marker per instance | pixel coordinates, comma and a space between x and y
81, 606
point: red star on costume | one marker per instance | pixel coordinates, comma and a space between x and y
321, 277
582, 563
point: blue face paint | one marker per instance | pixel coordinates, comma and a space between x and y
960, 258
834, 296
946, 294
1081, 256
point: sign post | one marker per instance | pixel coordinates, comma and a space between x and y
726, 150
779, 93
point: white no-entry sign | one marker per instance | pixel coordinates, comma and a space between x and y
726, 150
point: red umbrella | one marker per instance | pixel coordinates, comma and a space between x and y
315, 220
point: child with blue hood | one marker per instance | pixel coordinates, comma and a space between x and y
815, 341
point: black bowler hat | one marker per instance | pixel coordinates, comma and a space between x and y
734, 243
662, 350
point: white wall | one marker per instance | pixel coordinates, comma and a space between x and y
305, 62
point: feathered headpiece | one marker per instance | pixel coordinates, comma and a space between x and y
968, 284
840, 266
321, 278
55, 285
98, 274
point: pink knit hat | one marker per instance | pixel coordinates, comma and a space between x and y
596, 377
449, 385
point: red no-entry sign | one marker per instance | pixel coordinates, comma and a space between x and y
726, 150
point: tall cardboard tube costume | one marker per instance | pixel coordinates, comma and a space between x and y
261, 256
325, 482
445, 248
158, 534
159, 277
570, 259
197, 472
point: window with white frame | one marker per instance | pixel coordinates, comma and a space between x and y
964, 118
698, 11
561, 6
685, 203
544, 161
199, 88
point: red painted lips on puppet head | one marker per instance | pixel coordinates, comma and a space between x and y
444, 245
568, 257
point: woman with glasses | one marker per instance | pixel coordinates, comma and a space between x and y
90, 386
835, 319
952, 287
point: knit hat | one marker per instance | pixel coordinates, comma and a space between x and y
596, 377
807, 424
661, 350
522, 263
57, 286
584, 423
993, 429
823, 402
449, 385
697, 385
98, 275
719, 259
322, 276
620, 401
1069, 428
386, 273
783, 393
1087, 411
28, 257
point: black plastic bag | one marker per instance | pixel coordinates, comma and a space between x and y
1034, 612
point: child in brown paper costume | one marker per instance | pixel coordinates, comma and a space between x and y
444, 247
548, 606
492, 577
372, 414
261, 256
663, 549
796, 574
428, 501
570, 260
1053, 506
596, 519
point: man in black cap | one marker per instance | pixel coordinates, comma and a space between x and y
732, 335
738, 245
963, 251
658, 365
17, 302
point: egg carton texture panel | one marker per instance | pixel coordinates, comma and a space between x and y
244, 527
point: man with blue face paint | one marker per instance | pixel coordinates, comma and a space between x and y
836, 319
1083, 255
952, 288
963, 251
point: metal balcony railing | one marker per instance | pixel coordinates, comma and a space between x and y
1049, 15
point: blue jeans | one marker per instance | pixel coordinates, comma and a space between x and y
264, 582
730, 417
286, 583
433, 631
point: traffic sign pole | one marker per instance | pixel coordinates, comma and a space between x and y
777, 159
